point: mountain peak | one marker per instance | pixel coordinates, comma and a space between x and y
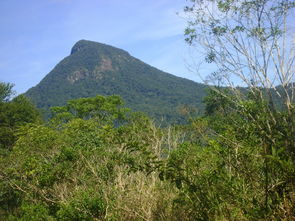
79, 46
92, 45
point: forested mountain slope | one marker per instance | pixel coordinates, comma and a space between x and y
93, 68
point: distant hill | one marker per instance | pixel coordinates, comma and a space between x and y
93, 68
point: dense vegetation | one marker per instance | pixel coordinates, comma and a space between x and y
96, 160
94, 68
13, 114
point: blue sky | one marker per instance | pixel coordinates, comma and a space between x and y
37, 34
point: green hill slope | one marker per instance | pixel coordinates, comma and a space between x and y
93, 68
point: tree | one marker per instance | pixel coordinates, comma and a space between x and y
249, 39
77, 170
251, 43
5, 91
14, 114
101, 108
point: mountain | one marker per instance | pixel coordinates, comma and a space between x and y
93, 68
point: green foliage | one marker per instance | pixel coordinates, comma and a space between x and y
85, 205
67, 165
239, 9
5, 91
243, 168
218, 102
100, 108
34, 212
85, 165
96, 160
206, 188
14, 114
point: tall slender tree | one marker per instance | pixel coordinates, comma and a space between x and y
252, 43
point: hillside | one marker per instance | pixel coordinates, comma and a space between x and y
93, 68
